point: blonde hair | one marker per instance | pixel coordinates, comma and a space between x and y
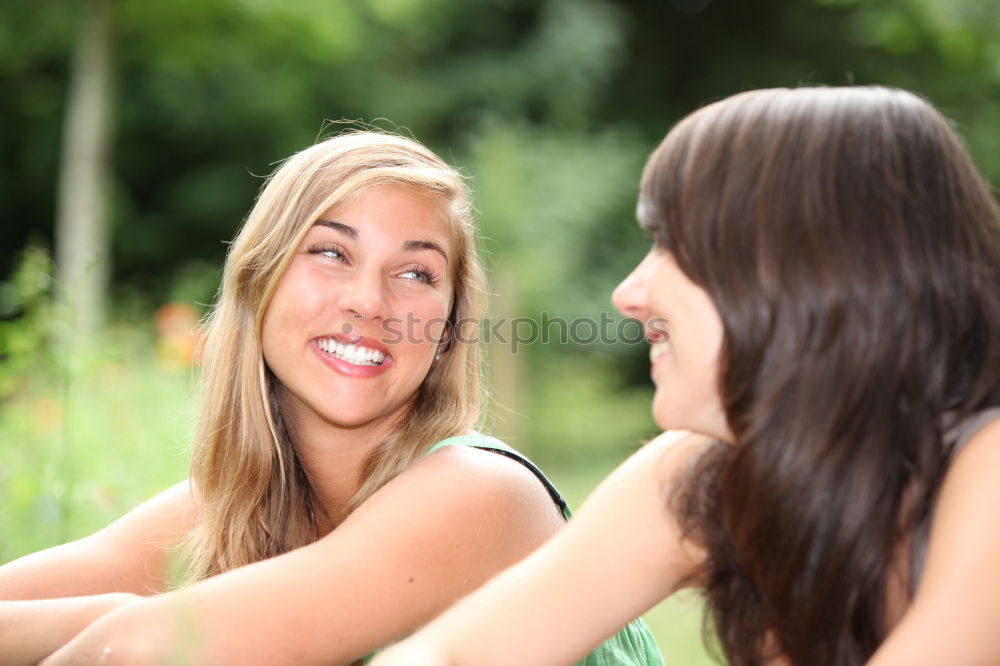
254, 498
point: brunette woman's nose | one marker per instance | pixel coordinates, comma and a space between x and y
629, 297
364, 297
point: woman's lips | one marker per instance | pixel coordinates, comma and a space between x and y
364, 358
357, 353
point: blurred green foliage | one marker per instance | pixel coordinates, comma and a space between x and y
25, 316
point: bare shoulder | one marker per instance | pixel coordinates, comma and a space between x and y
493, 472
952, 617
126, 556
969, 502
474, 489
676, 451
985, 442
969, 493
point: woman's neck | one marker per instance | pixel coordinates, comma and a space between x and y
332, 457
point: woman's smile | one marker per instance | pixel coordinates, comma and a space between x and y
361, 357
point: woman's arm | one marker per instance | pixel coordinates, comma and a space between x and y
428, 537
32, 630
955, 615
126, 556
621, 554
94, 576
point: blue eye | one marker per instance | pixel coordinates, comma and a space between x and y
418, 275
328, 250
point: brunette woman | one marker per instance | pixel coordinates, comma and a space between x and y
829, 263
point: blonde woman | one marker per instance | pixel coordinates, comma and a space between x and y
339, 496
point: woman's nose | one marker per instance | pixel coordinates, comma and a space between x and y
629, 297
364, 296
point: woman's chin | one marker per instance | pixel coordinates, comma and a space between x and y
664, 419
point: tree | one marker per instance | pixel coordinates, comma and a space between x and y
82, 234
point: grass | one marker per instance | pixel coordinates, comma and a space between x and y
81, 444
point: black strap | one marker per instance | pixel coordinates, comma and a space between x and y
553, 493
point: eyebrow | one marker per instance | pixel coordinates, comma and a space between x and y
413, 245
408, 246
338, 226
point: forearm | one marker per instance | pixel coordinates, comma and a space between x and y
532, 614
139, 633
55, 573
419, 651
32, 630
508, 621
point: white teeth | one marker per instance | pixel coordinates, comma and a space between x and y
351, 353
656, 350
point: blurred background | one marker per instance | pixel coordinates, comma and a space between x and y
134, 136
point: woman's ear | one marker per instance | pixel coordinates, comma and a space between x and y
447, 336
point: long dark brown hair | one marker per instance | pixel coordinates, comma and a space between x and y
853, 252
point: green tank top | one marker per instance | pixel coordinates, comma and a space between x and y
633, 645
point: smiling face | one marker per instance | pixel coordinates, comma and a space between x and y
685, 335
377, 259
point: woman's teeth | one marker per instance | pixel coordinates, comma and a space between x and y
656, 350
351, 353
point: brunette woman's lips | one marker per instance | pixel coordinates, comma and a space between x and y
355, 357
657, 345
